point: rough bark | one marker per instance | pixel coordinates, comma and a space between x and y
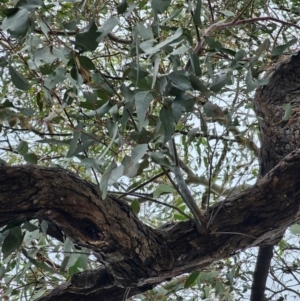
134, 255
279, 135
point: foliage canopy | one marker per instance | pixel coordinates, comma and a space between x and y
100, 87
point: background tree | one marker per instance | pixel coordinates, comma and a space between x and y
105, 106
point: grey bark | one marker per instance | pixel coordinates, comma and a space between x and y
280, 134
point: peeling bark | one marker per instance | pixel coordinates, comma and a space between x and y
134, 255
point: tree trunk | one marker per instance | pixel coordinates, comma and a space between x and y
280, 134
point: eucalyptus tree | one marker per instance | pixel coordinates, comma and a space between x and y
146, 147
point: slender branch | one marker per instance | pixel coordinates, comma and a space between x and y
111, 36
147, 198
143, 184
211, 11
187, 196
243, 10
213, 27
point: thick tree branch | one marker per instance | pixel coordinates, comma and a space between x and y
278, 138
109, 228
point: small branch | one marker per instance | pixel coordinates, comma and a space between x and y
213, 27
111, 36
211, 12
243, 10
187, 196
143, 184
146, 198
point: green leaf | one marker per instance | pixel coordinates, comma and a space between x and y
227, 13
229, 277
30, 227
107, 27
44, 226
39, 264
265, 45
160, 6
3, 61
181, 104
18, 80
22, 148
151, 50
57, 76
191, 279
251, 85
12, 241
74, 140
141, 136
29, 4
142, 102
30, 158
105, 178
84, 62
145, 33
219, 287
220, 81
115, 174
87, 40
192, 134
17, 23
135, 206
287, 111
132, 169
72, 25
160, 159
80, 264
128, 95
167, 119
180, 217
121, 8
9, 11
39, 101
295, 229
197, 84
213, 110
155, 69
239, 56
213, 43
277, 51
174, 15
195, 63
161, 188
180, 50
138, 152
208, 276
180, 80
197, 13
